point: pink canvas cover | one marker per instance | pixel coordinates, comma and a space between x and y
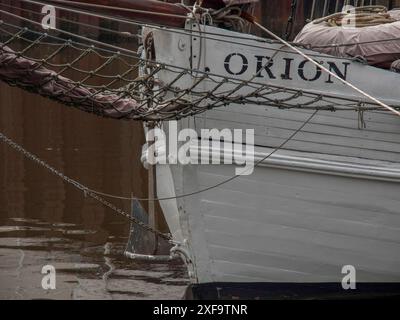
378, 52
395, 14
34, 77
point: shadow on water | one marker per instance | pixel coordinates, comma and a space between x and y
46, 221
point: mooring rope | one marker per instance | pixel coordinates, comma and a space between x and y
92, 5
86, 191
222, 94
95, 194
124, 34
317, 98
206, 35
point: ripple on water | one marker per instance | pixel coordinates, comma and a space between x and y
85, 269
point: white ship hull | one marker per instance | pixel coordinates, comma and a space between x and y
291, 225
328, 199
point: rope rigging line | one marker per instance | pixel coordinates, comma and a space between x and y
203, 33
79, 186
125, 34
141, 24
375, 100
347, 44
197, 192
160, 14
178, 107
172, 100
199, 34
95, 194
190, 194
291, 20
173, 30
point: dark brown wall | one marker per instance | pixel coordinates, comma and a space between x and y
274, 14
101, 153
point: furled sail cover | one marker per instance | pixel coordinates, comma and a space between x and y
32, 76
375, 44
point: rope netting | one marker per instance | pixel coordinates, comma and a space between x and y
112, 81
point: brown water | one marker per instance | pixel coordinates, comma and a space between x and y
44, 221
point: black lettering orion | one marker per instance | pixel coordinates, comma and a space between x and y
317, 75
266, 67
245, 64
334, 68
288, 65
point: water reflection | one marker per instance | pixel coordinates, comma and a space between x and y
85, 269
46, 221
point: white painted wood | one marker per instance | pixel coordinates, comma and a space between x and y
329, 198
290, 226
